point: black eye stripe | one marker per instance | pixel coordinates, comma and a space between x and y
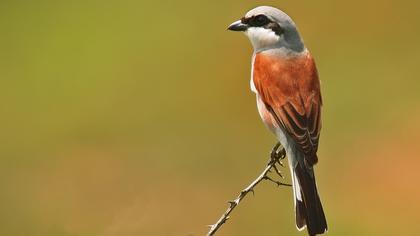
258, 20
262, 21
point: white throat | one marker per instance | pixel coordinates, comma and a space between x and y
262, 38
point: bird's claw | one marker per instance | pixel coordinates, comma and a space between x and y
277, 154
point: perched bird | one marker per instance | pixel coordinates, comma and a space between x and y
285, 80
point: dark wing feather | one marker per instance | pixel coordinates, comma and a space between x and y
304, 128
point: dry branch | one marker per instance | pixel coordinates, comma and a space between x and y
276, 156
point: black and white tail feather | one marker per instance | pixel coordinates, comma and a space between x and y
308, 207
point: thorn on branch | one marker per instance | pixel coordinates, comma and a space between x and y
276, 182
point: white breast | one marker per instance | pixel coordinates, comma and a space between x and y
251, 82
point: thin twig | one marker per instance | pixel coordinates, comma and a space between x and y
276, 182
250, 188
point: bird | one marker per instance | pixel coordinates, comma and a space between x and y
285, 80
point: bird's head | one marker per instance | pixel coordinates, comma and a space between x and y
269, 28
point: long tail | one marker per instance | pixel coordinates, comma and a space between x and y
309, 210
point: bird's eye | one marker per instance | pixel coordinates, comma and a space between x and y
260, 20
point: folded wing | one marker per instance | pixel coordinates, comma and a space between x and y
290, 90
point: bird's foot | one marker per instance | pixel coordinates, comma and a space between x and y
277, 154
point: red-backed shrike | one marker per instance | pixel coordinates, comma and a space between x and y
285, 80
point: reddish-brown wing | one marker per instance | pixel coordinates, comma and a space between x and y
290, 89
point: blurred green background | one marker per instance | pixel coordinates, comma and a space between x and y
135, 118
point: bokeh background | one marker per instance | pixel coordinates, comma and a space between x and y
135, 118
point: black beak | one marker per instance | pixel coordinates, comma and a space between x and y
238, 26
